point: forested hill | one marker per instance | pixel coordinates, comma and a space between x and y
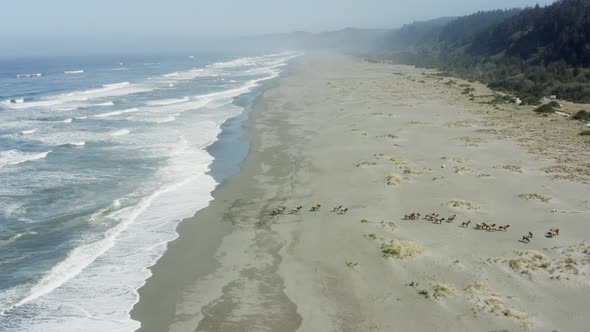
534, 51
542, 35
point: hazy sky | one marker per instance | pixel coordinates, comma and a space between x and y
35, 26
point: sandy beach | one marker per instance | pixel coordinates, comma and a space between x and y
384, 141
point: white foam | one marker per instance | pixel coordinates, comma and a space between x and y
121, 132
74, 144
108, 103
67, 109
81, 118
15, 157
107, 90
9, 102
116, 85
241, 62
75, 99
78, 293
161, 120
115, 113
154, 219
74, 71
42, 103
27, 132
29, 75
69, 120
191, 74
105, 211
167, 101
19, 235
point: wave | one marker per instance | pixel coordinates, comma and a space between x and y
167, 101
108, 103
14, 101
105, 211
81, 288
15, 237
108, 90
29, 75
83, 256
15, 157
230, 93
191, 74
20, 235
20, 103
73, 144
115, 113
27, 132
81, 118
116, 85
121, 132
241, 62
166, 119
68, 109
69, 120
73, 71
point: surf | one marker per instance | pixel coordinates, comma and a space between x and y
15, 157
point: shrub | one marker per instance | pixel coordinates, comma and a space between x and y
530, 100
401, 249
582, 116
535, 197
585, 132
545, 109
442, 290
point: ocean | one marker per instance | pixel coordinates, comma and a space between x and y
100, 159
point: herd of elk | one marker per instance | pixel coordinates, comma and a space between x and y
527, 238
281, 210
492, 227
434, 217
553, 232
315, 207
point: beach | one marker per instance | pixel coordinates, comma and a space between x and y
384, 141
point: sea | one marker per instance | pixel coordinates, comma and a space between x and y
100, 159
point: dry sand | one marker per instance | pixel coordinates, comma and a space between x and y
384, 141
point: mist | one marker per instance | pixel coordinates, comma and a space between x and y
38, 27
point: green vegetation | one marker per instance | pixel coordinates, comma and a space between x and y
533, 52
545, 109
467, 91
351, 264
500, 99
582, 116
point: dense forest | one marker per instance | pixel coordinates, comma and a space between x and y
534, 52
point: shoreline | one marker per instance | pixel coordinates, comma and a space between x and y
206, 233
384, 141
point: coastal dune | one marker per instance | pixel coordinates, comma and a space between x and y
382, 141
